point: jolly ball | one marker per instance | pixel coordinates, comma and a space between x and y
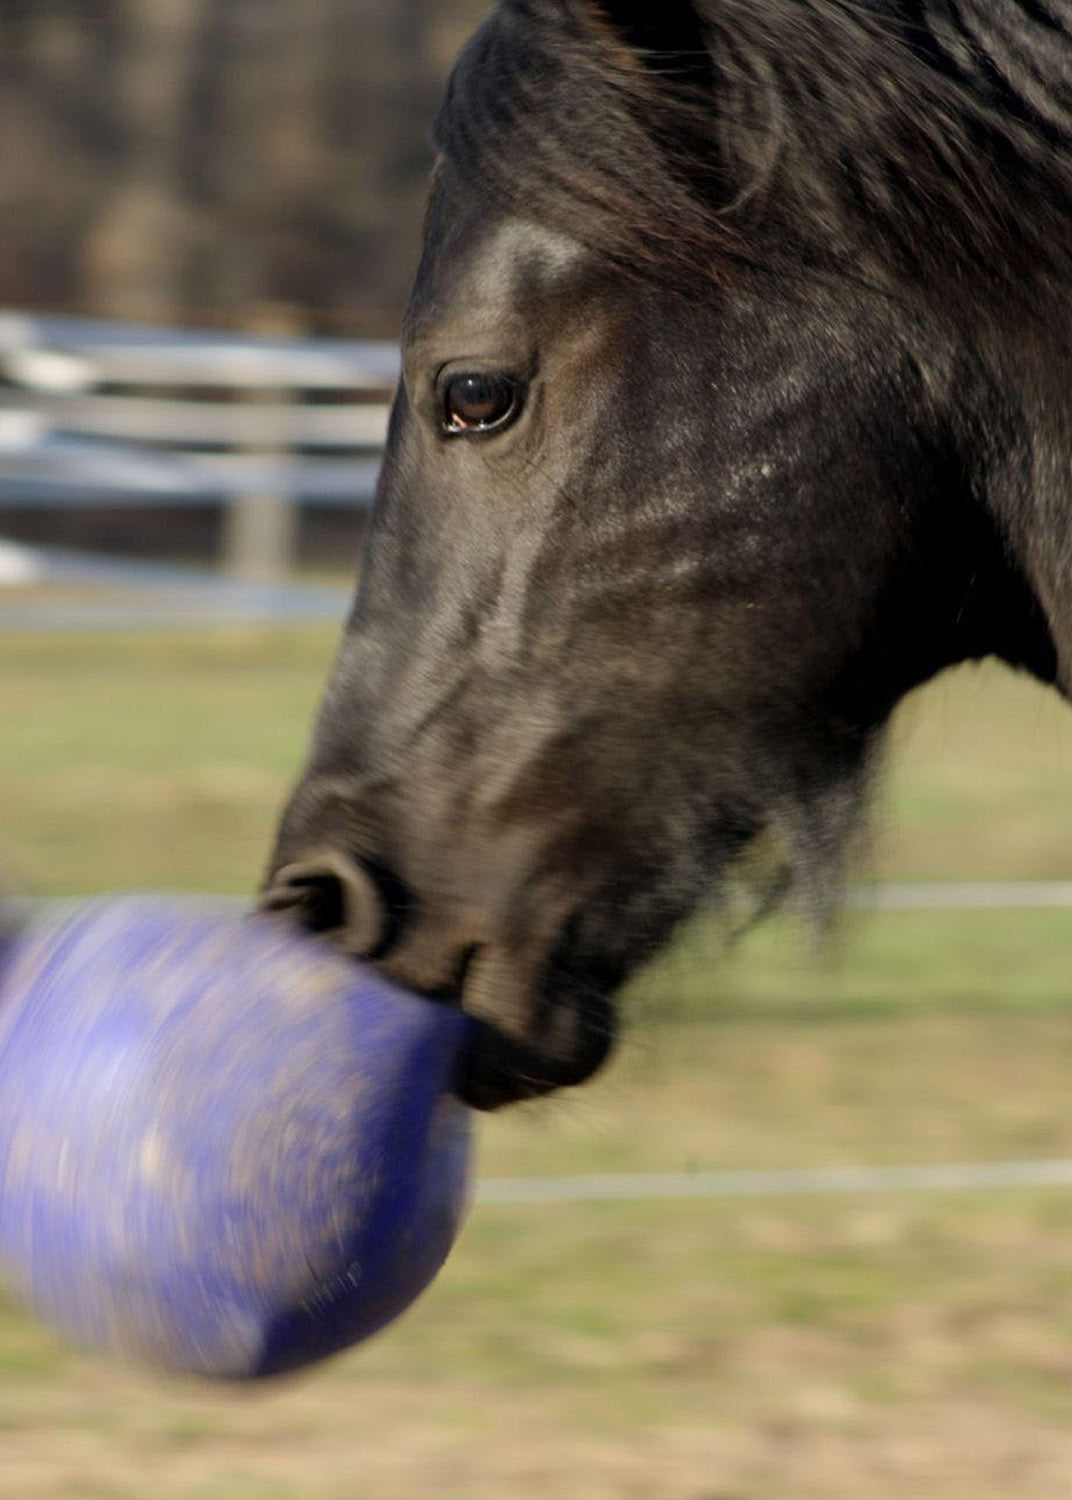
225, 1149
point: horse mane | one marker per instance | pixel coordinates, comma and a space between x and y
914, 139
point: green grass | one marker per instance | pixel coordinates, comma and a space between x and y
877, 962
162, 762
151, 762
849, 1349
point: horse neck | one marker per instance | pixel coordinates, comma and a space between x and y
1029, 487
1015, 54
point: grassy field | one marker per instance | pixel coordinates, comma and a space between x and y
863, 1349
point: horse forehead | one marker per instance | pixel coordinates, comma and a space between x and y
517, 246
491, 268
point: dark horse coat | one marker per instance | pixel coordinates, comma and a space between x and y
737, 402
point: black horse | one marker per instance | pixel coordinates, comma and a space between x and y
737, 402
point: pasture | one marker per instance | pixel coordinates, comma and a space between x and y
776, 1349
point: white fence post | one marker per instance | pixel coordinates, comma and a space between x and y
261, 528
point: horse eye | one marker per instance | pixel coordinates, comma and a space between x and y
478, 403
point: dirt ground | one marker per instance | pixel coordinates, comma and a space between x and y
864, 1348
385, 1445
895, 1347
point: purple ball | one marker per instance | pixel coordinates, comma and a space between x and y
225, 1149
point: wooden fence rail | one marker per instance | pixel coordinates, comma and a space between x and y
98, 414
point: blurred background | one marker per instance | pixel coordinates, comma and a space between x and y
254, 167
184, 161
210, 212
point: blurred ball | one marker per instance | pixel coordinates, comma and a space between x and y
225, 1149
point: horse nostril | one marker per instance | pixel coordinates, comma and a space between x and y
335, 896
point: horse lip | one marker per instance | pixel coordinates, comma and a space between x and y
496, 1068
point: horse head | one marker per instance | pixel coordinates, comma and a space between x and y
702, 457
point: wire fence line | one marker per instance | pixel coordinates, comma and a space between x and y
961, 895
783, 1182
923, 896
788, 1182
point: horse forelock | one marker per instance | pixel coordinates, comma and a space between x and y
926, 142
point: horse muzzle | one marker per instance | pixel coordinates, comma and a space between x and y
541, 1019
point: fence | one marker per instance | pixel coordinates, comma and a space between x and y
96, 414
